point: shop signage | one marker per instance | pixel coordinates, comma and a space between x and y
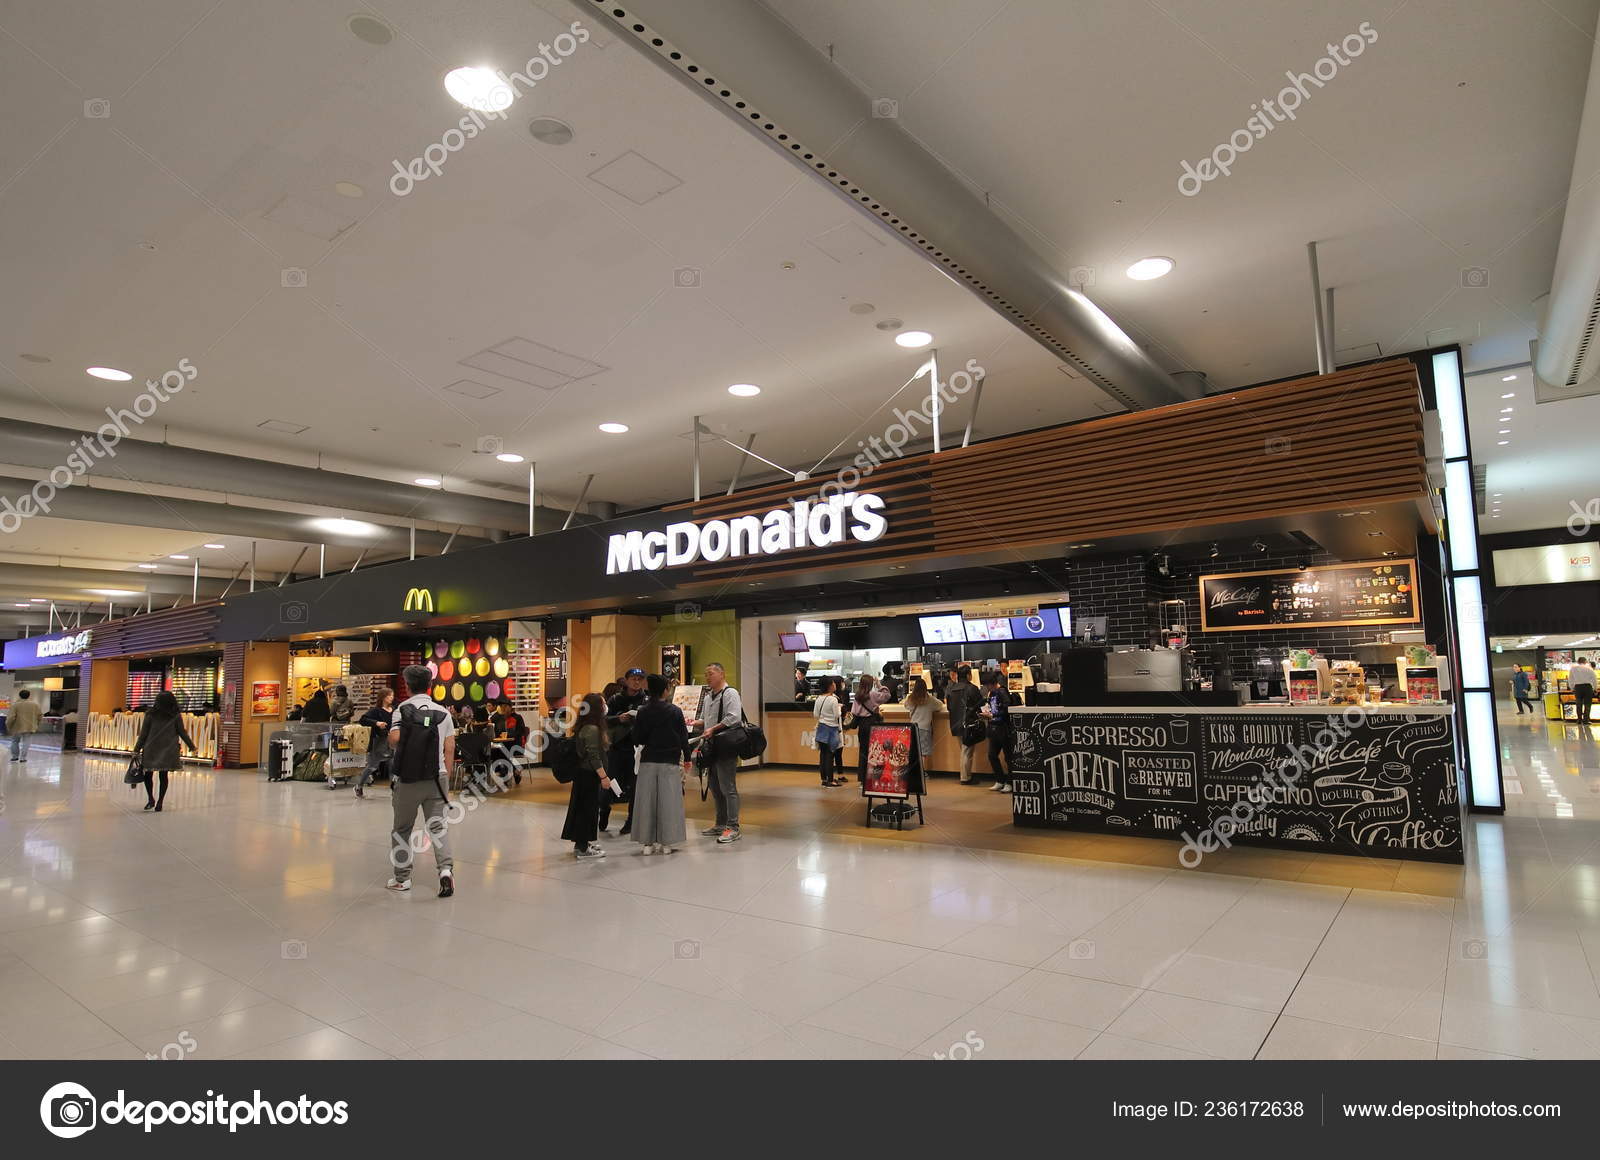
32, 651
803, 524
1382, 783
1334, 594
1547, 564
419, 600
62, 646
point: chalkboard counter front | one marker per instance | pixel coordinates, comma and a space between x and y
1378, 781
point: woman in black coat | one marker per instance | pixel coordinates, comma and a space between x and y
157, 746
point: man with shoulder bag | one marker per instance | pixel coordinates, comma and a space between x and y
962, 699
720, 719
423, 743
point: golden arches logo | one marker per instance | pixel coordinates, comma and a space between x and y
419, 600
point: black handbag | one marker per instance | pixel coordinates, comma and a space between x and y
974, 733
135, 771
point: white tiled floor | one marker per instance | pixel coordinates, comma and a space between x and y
249, 920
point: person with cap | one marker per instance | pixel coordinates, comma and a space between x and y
621, 757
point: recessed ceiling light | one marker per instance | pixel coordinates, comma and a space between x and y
343, 527
913, 338
24, 606
550, 131
111, 374
348, 189
744, 390
1508, 378
427, 481
1498, 494
35, 358
1509, 395
614, 428
371, 30
479, 88
148, 567
1147, 268
1506, 410
177, 557
39, 599
213, 545
113, 592
1505, 430
509, 457
1503, 442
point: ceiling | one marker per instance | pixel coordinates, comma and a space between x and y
666, 253
1541, 459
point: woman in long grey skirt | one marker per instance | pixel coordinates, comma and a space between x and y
659, 727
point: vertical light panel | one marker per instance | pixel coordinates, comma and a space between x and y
1483, 749
1450, 399
1460, 517
1470, 626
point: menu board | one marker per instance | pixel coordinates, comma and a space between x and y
1370, 783
1336, 594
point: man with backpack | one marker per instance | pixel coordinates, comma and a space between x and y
721, 711
423, 743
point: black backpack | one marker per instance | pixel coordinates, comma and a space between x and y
416, 758
562, 754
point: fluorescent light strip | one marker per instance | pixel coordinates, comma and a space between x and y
1469, 632
1483, 758
1461, 526
1450, 399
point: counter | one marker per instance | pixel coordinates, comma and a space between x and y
790, 739
1373, 780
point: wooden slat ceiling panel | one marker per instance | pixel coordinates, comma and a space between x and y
1353, 439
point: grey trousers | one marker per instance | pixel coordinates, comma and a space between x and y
409, 796
657, 811
725, 790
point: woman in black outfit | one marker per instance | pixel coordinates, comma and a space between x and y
864, 714
583, 806
157, 746
996, 713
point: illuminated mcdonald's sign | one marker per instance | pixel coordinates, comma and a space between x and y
419, 600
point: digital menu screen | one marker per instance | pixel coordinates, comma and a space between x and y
989, 628
942, 629
1047, 622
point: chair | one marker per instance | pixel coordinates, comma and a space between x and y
472, 758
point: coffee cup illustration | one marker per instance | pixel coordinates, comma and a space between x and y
1179, 728
1395, 772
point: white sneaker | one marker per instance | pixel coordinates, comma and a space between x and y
997, 786
666, 849
592, 852
398, 884
647, 849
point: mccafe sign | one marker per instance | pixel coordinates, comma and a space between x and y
34, 650
803, 524
63, 646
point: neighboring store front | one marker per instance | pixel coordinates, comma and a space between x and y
1544, 611
47, 667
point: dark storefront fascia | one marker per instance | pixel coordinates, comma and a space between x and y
1539, 609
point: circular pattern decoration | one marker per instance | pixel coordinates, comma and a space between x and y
493, 689
481, 667
447, 670
474, 646
438, 693
492, 646
458, 691
458, 649
441, 648
502, 667
508, 688
476, 691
